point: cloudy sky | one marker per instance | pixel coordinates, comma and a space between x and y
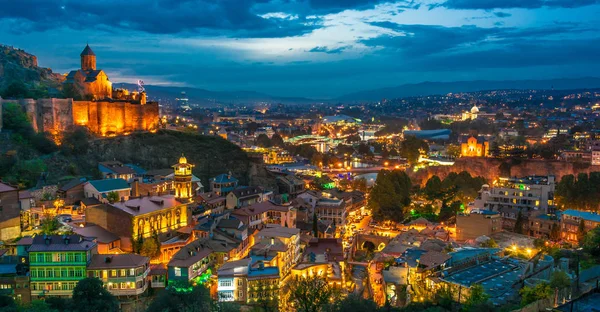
312, 48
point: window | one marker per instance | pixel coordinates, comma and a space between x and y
132, 272
48, 257
70, 257
240, 282
225, 283
113, 273
123, 273
240, 294
123, 286
177, 271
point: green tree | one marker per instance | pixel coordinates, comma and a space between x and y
476, 297
433, 188
315, 225
355, 303
453, 151
50, 225
591, 243
555, 232
263, 141
40, 306
8, 304
76, 142
112, 197
390, 195
310, 294
150, 248
182, 298
412, 147
90, 296
533, 294
277, 140
16, 89
581, 232
359, 184
519, 223
560, 280
490, 243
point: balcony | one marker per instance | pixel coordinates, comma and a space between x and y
158, 284
129, 292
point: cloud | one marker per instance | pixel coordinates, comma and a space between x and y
323, 49
506, 4
502, 14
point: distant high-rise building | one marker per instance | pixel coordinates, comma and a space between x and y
182, 100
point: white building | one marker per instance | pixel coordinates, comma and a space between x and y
529, 193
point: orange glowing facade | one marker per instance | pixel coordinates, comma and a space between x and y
475, 147
182, 181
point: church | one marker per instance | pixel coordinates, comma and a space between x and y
91, 83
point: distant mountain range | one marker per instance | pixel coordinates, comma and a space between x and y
202, 96
432, 88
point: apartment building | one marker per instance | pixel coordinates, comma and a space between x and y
527, 193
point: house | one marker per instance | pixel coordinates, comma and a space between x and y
283, 244
123, 275
14, 277
209, 203
72, 192
141, 217
26, 200
196, 261
57, 263
10, 212
245, 196
247, 281
571, 220
108, 243
100, 189
323, 257
116, 170
291, 185
223, 184
473, 225
258, 215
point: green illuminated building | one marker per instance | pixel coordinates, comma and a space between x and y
57, 263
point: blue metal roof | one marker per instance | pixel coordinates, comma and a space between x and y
589, 216
263, 272
108, 185
224, 178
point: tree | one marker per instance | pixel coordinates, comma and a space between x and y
42, 306
433, 188
90, 296
315, 225
355, 303
310, 294
453, 151
519, 223
277, 140
581, 232
112, 197
490, 243
533, 294
76, 142
390, 195
17, 90
263, 140
359, 184
477, 296
150, 248
560, 280
50, 225
555, 232
8, 304
591, 243
182, 297
412, 147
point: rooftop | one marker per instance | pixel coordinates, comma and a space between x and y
120, 261
95, 231
143, 205
73, 242
590, 216
108, 185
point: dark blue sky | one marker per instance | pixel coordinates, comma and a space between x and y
312, 48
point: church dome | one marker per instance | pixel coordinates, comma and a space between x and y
474, 110
183, 160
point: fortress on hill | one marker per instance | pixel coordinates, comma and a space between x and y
105, 111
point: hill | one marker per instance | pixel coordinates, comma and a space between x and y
20, 69
207, 97
432, 88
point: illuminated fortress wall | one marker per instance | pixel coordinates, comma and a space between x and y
101, 117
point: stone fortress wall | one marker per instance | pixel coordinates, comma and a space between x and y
100, 117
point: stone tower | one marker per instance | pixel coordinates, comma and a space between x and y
88, 59
183, 179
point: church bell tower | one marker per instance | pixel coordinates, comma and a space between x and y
183, 179
88, 59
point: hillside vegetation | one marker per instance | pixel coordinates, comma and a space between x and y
27, 156
21, 77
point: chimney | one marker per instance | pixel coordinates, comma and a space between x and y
135, 189
107, 259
